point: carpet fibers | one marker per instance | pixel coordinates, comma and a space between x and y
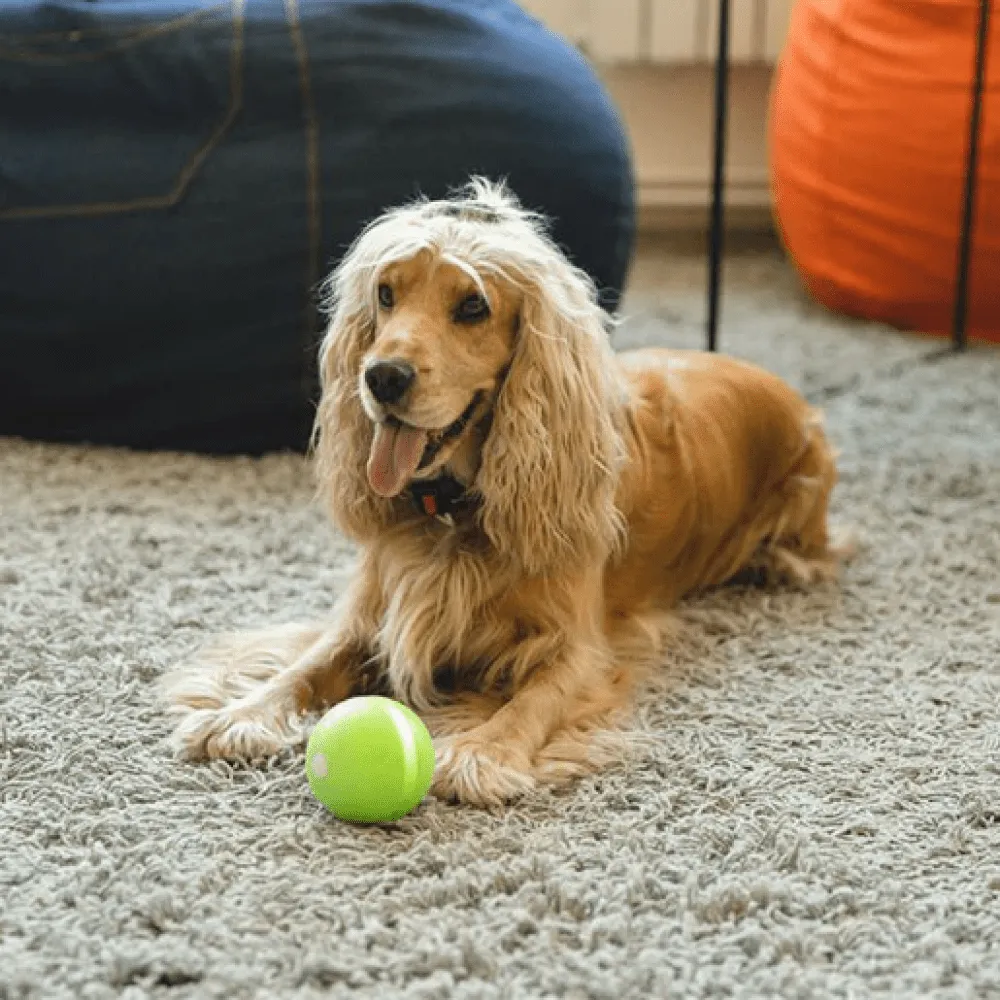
811, 809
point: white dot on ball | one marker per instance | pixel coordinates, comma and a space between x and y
318, 765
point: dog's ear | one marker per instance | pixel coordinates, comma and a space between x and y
342, 435
551, 461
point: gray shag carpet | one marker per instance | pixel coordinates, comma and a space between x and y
812, 807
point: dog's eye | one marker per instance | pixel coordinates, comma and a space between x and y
385, 296
472, 309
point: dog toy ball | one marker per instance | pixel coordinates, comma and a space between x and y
370, 760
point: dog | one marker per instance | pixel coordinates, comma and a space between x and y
528, 506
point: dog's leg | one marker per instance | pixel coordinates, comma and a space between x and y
798, 546
569, 687
463, 712
246, 698
591, 738
788, 560
235, 665
788, 539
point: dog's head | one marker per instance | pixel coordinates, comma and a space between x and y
462, 339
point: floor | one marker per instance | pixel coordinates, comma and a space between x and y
811, 808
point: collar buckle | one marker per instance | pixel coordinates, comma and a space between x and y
440, 497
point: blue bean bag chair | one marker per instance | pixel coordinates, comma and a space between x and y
177, 177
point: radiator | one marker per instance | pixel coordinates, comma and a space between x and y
666, 32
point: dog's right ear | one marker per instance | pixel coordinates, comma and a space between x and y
342, 434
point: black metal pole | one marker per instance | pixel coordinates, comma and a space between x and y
961, 317
717, 221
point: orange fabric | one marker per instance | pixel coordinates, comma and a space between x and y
868, 139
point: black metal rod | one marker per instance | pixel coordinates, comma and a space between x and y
716, 232
961, 318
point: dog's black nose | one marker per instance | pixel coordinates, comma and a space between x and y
389, 380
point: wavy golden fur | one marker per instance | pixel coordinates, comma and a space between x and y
599, 489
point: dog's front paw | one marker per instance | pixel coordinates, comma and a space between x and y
472, 771
247, 730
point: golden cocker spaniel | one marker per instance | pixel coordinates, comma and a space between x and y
528, 505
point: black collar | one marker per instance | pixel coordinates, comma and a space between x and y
442, 496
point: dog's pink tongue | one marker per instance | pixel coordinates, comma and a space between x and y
394, 457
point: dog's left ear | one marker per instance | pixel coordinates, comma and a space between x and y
551, 461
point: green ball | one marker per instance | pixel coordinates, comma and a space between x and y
370, 760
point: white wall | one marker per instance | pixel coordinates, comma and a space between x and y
669, 113
666, 32
656, 57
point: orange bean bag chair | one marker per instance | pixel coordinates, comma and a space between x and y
868, 140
